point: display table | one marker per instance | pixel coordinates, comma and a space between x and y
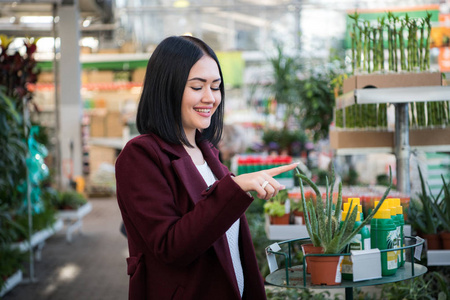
294, 276
38, 239
11, 282
74, 219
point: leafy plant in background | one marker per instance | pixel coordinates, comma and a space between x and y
442, 207
285, 80
432, 285
13, 152
65, 200
422, 214
317, 103
9, 266
277, 293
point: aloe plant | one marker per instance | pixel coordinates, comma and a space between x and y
322, 223
423, 218
442, 210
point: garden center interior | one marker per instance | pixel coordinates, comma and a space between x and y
356, 90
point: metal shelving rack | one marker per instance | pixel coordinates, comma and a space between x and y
400, 97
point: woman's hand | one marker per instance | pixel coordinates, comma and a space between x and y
262, 182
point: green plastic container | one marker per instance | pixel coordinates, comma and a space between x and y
383, 235
401, 233
361, 241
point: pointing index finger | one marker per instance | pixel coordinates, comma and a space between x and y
278, 170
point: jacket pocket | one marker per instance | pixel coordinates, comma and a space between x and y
136, 270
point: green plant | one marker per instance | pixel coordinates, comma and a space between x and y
322, 223
432, 285
422, 214
13, 152
442, 209
277, 293
296, 205
13, 263
70, 200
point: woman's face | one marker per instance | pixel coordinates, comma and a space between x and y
201, 96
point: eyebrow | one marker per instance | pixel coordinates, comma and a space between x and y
204, 80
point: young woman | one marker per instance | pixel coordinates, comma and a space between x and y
183, 210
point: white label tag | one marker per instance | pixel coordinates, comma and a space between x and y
338, 278
418, 249
271, 258
366, 244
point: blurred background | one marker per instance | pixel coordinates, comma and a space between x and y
70, 81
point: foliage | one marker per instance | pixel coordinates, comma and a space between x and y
322, 223
13, 151
9, 266
422, 215
11, 230
278, 293
432, 285
442, 210
285, 80
65, 200
284, 138
317, 104
274, 209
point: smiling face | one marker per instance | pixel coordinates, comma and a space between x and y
201, 96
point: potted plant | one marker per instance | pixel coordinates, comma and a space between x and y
423, 217
297, 209
323, 228
442, 211
275, 208
70, 200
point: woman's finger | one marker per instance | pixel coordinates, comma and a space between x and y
278, 170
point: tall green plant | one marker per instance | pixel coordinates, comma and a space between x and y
322, 222
423, 218
13, 151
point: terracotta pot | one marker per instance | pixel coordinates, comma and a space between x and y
300, 214
445, 240
433, 241
310, 249
283, 220
325, 270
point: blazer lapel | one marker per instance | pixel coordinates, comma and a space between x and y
189, 177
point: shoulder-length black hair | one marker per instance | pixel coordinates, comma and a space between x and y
159, 109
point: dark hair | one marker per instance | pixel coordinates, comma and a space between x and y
159, 109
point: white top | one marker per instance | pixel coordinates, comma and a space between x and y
232, 233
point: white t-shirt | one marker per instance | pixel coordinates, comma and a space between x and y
232, 233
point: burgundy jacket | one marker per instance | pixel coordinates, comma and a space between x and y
176, 224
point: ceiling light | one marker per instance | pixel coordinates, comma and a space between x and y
181, 4
86, 23
36, 19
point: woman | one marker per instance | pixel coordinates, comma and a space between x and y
183, 211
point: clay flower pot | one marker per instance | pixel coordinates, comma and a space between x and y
310, 249
433, 241
283, 220
445, 240
300, 214
325, 270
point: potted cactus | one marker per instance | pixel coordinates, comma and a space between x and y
323, 228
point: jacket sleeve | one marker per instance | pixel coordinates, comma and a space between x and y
147, 199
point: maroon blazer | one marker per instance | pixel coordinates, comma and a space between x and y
176, 224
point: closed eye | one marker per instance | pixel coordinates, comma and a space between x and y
196, 89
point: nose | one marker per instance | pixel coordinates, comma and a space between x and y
208, 96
